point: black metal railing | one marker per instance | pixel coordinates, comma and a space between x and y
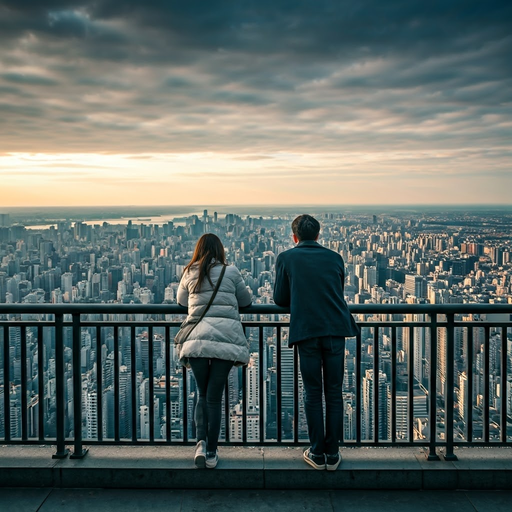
437, 376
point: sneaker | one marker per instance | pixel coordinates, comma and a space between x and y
211, 459
332, 462
317, 461
200, 456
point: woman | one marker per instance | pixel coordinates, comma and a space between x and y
217, 342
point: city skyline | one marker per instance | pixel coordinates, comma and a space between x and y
290, 103
408, 259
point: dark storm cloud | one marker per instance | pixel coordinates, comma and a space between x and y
167, 75
19, 78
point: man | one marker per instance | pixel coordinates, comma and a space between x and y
310, 279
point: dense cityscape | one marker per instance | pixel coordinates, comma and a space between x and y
410, 256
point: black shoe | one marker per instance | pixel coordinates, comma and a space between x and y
317, 461
332, 462
211, 459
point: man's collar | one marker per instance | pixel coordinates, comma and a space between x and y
307, 242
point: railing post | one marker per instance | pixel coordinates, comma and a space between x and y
393, 385
244, 401
410, 386
79, 452
185, 403
261, 395
469, 400
487, 387
168, 435
450, 336
295, 394
7, 386
432, 455
358, 386
279, 408
62, 451
99, 385
116, 384
151, 382
503, 387
376, 385
23, 355
133, 384
40, 381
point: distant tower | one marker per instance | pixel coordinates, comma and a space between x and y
66, 285
368, 400
465, 405
253, 395
91, 406
369, 277
144, 422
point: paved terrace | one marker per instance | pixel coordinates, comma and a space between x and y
115, 500
253, 479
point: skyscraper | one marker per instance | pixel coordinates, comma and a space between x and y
368, 399
415, 286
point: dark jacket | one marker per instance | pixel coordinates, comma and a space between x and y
311, 279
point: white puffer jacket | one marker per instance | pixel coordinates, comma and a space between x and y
219, 334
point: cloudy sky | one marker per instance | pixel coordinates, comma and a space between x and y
108, 102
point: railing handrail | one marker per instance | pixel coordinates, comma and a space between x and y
256, 309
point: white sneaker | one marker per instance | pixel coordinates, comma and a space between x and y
200, 456
211, 459
332, 461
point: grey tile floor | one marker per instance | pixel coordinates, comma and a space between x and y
113, 500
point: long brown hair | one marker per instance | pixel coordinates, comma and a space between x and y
208, 252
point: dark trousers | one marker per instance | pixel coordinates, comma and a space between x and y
322, 367
211, 376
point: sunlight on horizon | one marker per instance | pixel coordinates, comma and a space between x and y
423, 177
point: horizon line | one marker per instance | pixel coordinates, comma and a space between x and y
278, 205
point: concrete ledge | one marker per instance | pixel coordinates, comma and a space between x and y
134, 467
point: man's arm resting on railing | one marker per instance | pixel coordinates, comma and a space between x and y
282, 284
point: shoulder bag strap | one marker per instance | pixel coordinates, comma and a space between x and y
217, 286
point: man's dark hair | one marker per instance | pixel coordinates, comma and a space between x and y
305, 227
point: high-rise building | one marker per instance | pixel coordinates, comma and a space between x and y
287, 379
368, 396
415, 286
419, 407
91, 414
369, 277
125, 411
253, 391
144, 421
5, 220
66, 285
236, 424
108, 414
465, 407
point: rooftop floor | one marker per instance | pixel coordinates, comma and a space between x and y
142, 500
